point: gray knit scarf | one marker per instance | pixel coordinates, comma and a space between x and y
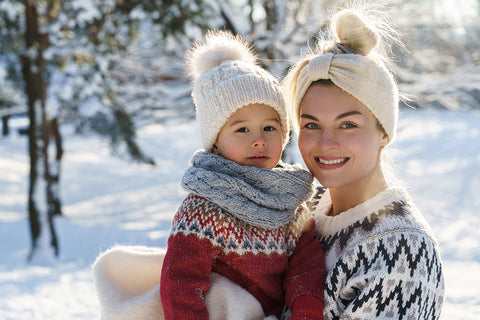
265, 198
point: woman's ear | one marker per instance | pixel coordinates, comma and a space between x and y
384, 139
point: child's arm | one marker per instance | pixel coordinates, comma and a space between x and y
305, 277
186, 268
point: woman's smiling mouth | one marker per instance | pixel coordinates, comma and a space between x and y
330, 162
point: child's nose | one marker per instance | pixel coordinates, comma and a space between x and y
259, 141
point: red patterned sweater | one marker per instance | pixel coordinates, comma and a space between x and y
277, 266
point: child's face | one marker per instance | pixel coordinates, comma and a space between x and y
252, 137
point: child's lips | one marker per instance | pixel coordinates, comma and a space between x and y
259, 158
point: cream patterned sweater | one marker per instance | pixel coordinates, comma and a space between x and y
382, 260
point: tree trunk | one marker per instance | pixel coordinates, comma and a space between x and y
271, 11
54, 160
44, 243
5, 128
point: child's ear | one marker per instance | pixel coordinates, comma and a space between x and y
215, 149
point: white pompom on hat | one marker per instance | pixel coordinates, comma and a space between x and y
225, 79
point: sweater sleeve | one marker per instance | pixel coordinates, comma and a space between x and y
186, 273
397, 275
305, 277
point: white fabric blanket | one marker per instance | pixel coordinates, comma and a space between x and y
127, 281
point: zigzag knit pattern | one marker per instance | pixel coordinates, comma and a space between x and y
382, 261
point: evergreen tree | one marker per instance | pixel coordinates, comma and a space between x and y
12, 101
66, 50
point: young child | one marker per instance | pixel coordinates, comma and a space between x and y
243, 220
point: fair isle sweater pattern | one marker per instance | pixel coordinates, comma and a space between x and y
382, 260
205, 239
206, 220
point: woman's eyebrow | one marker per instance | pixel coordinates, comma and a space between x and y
304, 115
348, 113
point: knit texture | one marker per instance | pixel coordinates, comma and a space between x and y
276, 265
265, 198
360, 76
204, 240
382, 260
234, 81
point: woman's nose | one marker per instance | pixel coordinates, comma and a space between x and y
327, 140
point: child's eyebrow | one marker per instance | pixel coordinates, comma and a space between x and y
237, 122
246, 120
274, 119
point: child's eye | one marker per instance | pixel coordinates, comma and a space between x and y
243, 129
269, 128
348, 125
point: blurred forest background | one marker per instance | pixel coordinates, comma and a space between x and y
110, 67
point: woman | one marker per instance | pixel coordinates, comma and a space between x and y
381, 257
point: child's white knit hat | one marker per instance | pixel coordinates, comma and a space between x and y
350, 67
225, 79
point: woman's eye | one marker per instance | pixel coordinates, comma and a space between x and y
348, 125
311, 125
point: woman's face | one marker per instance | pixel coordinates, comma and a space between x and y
339, 139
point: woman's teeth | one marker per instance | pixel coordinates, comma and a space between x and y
336, 161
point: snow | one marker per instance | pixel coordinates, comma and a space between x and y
107, 201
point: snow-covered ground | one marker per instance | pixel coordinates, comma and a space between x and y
107, 200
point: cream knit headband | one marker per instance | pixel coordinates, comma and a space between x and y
363, 78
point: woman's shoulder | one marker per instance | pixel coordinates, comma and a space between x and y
396, 234
392, 214
409, 254
400, 216
400, 246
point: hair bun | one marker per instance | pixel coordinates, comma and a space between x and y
219, 46
352, 31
